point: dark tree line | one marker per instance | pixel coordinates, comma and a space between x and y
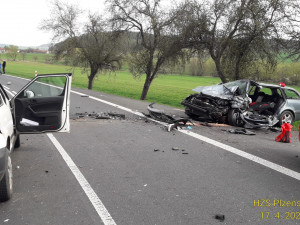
237, 34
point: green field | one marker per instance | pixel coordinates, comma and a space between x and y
166, 89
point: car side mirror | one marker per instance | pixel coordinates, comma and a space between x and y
28, 93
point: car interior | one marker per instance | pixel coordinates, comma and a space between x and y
265, 100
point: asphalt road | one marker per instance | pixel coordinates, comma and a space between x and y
125, 171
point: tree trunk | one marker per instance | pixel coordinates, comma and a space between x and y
237, 70
219, 70
94, 71
91, 81
146, 88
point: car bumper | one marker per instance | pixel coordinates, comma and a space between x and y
3, 161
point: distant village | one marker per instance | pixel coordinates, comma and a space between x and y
29, 50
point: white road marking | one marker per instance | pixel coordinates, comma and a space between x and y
14, 92
6, 87
95, 200
246, 155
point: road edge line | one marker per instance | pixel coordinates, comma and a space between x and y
89, 191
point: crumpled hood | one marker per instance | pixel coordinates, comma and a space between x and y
215, 91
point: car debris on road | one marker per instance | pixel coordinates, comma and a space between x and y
102, 115
160, 115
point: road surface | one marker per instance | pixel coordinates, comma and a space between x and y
124, 171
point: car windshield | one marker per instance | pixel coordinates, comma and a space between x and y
242, 84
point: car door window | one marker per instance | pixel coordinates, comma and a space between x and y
290, 94
45, 87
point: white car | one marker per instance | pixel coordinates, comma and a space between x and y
41, 106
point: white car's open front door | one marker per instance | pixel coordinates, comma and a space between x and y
43, 104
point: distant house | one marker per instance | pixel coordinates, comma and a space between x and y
2, 50
31, 50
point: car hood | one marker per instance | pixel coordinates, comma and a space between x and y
219, 91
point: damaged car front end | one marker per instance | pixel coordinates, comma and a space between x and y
244, 103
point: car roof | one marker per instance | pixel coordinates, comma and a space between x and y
270, 85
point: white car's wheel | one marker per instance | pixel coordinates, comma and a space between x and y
6, 184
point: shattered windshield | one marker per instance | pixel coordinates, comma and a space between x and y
242, 84
224, 91
219, 91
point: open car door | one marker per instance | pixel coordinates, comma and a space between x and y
43, 104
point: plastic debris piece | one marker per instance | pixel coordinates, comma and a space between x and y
206, 124
156, 150
220, 217
189, 128
241, 131
121, 116
175, 148
171, 127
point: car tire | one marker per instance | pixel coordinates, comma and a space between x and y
234, 118
286, 117
18, 142
6, 183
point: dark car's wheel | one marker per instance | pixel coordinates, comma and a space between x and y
18, 142
6, 183
234, 118
286, 117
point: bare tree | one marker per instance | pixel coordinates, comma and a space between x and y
92, 47
157, 40
12, 52
23, 54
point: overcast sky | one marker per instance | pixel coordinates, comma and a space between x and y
20, 19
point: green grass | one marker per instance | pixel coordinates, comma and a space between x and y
166, 89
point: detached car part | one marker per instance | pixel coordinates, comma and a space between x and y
160, 115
